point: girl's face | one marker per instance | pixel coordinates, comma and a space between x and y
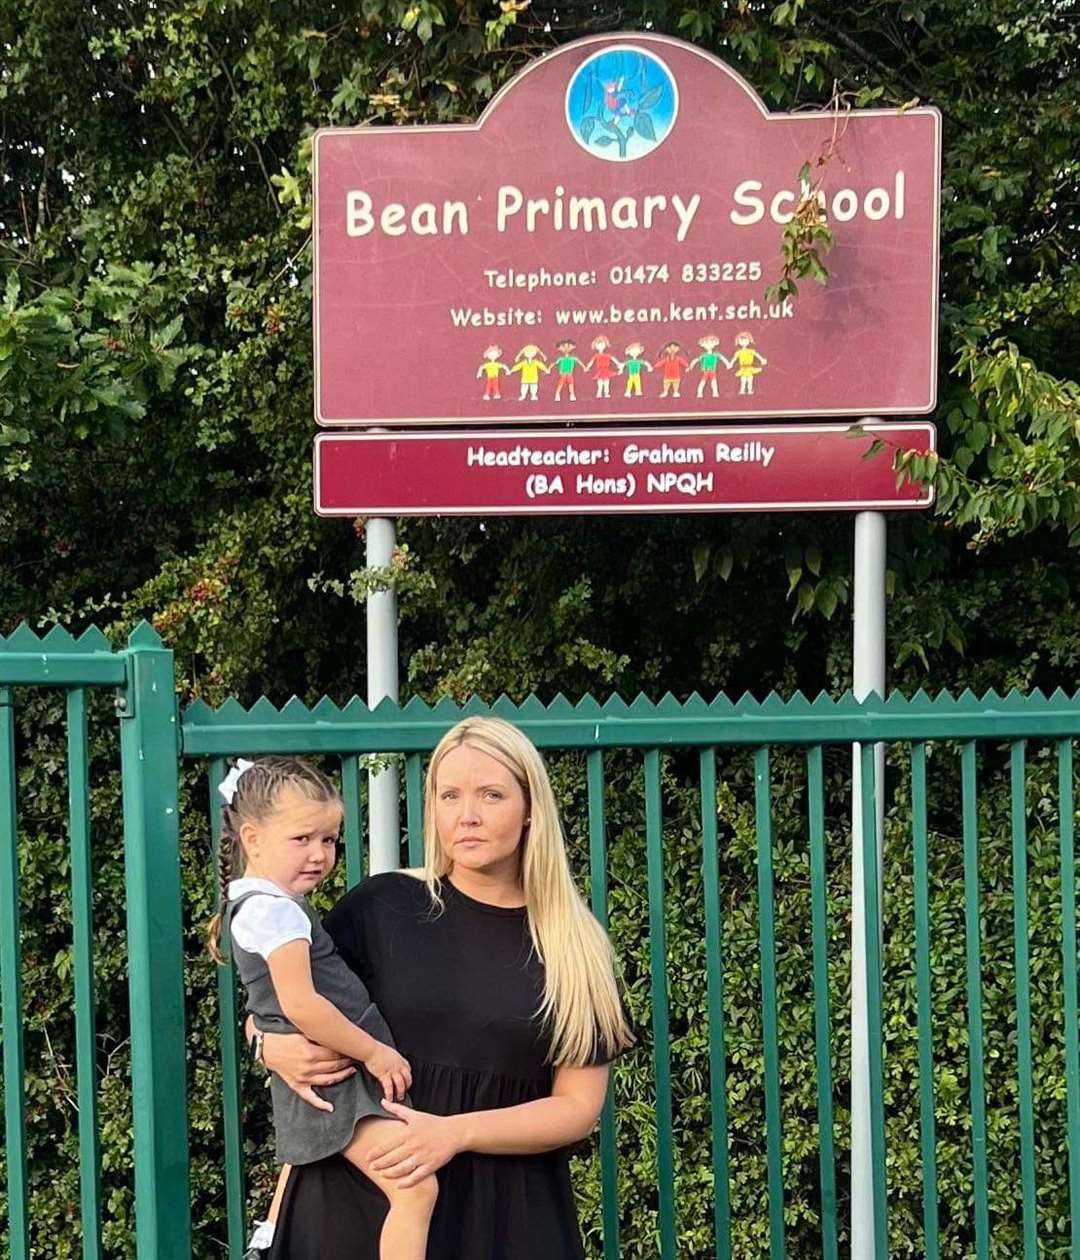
295, 846
480, 812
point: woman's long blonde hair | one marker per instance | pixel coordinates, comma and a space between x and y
581, 1000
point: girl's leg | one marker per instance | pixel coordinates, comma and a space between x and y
262, 1235
405, 1230
279, 1193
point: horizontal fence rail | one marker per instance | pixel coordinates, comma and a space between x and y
641, 723
743, 763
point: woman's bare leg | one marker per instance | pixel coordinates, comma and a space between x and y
405, 1230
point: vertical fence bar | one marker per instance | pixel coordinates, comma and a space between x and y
819, 902
229, 1034
1023, 998
414, 804
974, 984
714, 971
609, 1170
868, 783
148, 747
770, 1023
82, 922
11, 990
665, 1160
1068, 955
924, 1000
354, 820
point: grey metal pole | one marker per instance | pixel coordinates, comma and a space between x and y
869, 675
382, 671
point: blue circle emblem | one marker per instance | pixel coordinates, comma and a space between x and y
621, 103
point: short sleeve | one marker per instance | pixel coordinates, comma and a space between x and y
264, 923
606, 1053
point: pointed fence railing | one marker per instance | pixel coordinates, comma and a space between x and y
153, 735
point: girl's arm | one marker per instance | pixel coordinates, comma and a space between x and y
321, 1021
424, 1143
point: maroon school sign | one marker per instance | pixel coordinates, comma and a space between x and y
597, 248
760, 468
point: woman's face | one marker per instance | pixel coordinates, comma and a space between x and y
480, 811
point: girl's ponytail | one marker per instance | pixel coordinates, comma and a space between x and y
227, 858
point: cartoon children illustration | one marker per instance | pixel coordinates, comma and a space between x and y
673, 362
530, 362
566, 362
603, 366
708, 359
633, 366
743, 361
491, 369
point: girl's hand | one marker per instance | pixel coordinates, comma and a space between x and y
301, 1065
418, 1148
390, 1069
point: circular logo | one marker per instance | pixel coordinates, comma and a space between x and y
621, 103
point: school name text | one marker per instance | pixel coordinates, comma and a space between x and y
563, 212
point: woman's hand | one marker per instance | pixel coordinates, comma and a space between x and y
417, 1148
302, 1064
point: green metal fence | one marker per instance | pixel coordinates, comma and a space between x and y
154, 736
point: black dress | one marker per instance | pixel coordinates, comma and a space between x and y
459, 990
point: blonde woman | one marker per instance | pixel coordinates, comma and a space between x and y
499, 986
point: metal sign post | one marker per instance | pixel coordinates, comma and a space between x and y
869, 675
382, 670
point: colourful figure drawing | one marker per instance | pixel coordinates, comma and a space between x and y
603, 366
633, 366
491, 369
708, 359
530, 362
745, 362
566, 362
673, 362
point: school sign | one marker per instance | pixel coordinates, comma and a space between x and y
596, 248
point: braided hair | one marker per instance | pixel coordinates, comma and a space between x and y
256, 798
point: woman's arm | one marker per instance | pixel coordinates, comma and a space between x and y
321, 1021
568, 1116
303, 1065
424, 1143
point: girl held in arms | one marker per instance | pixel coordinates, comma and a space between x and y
280, 825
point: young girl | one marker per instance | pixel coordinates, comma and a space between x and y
280, 825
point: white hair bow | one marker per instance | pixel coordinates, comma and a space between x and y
227, 787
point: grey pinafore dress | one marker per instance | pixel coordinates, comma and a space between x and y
302, 1133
